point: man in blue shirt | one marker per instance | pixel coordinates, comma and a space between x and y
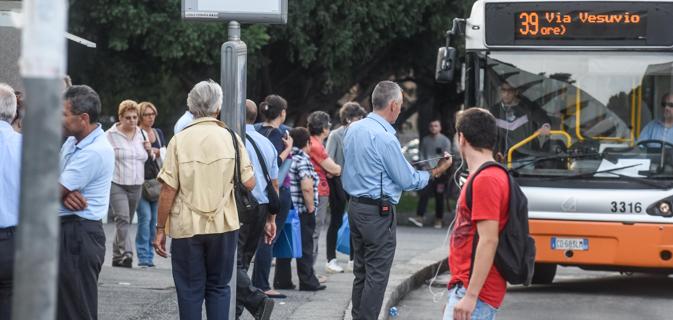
252, 228
10, 170
87, 165
661, 130
375, 174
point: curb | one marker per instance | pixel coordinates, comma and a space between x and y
407, 277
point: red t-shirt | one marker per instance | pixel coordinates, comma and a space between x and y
318, 154
490, 201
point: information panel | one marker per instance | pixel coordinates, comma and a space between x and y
618, 23
248, 11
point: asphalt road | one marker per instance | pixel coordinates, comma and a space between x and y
575, 294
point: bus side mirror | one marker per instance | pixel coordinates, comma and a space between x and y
446, 64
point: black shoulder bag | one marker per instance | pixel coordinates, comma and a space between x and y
151, 187
246, 204
274, 203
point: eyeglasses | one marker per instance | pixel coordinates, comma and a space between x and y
131, 117
149, 114
667, 104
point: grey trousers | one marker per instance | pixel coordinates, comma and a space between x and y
123, 201
373, 240
320, 222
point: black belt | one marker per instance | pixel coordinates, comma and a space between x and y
7, 232
71, 218
365, 200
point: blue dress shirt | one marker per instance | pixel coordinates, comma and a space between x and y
87, 167
183, 122
10, 175
269, 153
371, 148
656, 130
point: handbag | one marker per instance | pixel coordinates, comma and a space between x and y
151, 187
344, 236
246, 204
272, 195
151, 190
288, 244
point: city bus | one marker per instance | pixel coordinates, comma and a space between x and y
599, 188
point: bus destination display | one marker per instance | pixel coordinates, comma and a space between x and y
581, 25
590, 24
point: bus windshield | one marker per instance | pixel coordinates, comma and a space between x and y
596, 114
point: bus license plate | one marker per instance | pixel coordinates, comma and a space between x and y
579, 244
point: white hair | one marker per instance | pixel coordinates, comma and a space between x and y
7, 103
205, 99
384, 93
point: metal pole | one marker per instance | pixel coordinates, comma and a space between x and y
233, 80
43, 65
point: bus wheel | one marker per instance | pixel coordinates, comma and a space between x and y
544, 273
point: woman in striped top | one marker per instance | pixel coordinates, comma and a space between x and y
131, 152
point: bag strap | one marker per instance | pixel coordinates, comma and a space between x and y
149, 153
237, 167
468, 202
261, 159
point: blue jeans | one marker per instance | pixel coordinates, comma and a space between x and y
482, 311
147, 222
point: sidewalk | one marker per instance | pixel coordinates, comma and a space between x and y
150, 294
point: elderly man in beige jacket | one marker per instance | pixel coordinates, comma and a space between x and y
197, 207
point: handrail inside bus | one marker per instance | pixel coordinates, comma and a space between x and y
530, 138
578, 113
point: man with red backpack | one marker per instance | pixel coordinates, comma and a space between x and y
486, 249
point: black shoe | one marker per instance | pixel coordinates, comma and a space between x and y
289, 286
125, 262
318, 288
264, 310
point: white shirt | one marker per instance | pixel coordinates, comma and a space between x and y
130, 156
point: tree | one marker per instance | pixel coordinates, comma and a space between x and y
146, 52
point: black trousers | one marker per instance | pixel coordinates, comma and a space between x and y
305, 272
7, 248
337, 206
80, 261
247, 296
436, 188
264, 254
373, 248
202, 268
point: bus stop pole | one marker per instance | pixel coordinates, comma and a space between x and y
43, 65
233, 81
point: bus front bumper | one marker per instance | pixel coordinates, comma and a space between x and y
609, 244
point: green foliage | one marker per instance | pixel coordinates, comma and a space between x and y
146, 52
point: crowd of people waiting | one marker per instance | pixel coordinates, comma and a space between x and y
131, 168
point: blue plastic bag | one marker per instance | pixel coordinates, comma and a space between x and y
288, 244
344, 236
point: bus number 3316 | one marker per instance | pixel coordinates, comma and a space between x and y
623, 207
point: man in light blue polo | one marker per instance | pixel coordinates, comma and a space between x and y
375, 174
261, 153
87, 165
10, 170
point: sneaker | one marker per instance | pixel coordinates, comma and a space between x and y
125, 262
350, 265
333, 267
438, 224
417, 221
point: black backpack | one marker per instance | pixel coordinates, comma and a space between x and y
515, 256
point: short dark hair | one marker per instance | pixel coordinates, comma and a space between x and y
478, 128
83, 99
272, 106
351, 110
300, 137
664, 98
317, 122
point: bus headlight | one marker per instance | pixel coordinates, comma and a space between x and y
664, 208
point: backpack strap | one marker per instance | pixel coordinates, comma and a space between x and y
468, 202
